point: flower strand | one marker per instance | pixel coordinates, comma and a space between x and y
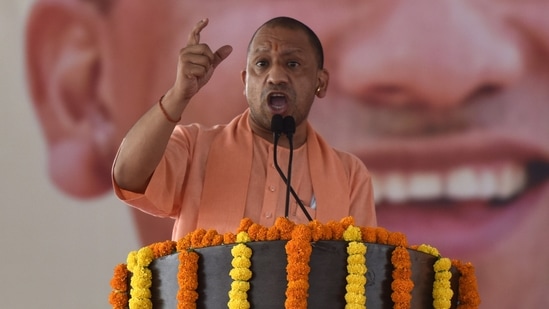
356, 269
141, 280
298, 247
442, 289
240, 273
118, 297
299, 251
402, 284
187, 278
468, 290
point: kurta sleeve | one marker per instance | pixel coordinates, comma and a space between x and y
362, 193
163, 194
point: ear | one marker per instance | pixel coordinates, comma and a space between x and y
243, 77
63, 70
323, 81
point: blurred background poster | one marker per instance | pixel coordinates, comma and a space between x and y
445, 101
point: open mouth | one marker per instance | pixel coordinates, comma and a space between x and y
462, 193
278, 102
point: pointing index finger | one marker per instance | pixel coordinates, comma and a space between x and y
194, 36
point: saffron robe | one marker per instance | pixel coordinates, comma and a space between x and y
205, 179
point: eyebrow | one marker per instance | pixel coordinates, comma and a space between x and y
104, 6
284, 51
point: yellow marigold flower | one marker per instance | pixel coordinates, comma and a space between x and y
145, 256
442, 264
241, 262
352, 233
428, 249
242, 237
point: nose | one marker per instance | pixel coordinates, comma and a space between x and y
428, 53
277, 74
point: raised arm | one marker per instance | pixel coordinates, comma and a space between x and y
145, 143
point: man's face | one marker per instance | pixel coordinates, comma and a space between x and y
281, 76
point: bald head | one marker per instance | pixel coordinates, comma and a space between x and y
293, 24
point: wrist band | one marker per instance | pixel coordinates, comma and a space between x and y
165, 113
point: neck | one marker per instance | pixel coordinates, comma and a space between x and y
299, 137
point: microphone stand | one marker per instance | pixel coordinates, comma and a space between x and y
289, 129
278, 126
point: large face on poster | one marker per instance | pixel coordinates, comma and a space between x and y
445, 101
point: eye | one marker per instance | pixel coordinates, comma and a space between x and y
293, 64
261, 63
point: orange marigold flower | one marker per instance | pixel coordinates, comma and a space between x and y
347, 221
229, 238
285, 226
317, 230
245, 224
118, 281
262, 233
196, 238
273, 233
397, 239
253, 231
118, 300
217, 240
207, 238
337, 230
382, 235
164, 248
368, 234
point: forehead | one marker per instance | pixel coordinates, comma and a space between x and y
280, 39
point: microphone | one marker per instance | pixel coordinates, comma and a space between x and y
277, 126
289, 126
286, 126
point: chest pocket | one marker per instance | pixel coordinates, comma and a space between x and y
297, 214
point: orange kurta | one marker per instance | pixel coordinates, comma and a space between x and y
213, 177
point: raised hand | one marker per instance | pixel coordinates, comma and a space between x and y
196, 64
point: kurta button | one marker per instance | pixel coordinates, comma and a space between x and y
268, 215
272, 188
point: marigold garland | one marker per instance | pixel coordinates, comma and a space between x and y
118, 297
428, 249
187, 277
468, 289
442, 289
240, 273
141, 280
402, 284
164, 248
356, 269
299, 249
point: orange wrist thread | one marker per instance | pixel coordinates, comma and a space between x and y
165, 113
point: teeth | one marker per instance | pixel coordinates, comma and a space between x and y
394, 188
500, 181
488, 184
512, 177
425, 186
462, 184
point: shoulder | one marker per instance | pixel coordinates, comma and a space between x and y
355, 168
349, 159
191, 133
